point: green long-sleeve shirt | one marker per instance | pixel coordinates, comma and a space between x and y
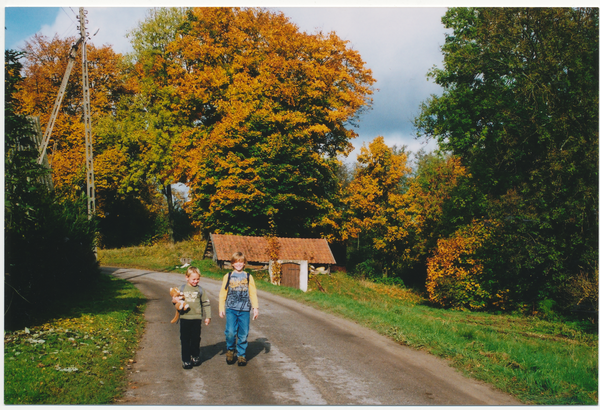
199, 303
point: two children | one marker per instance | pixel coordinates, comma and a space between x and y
237, 300
190, 321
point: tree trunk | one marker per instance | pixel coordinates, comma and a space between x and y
170, 209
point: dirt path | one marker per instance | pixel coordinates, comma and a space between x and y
297, 355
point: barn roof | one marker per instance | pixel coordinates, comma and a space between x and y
255, 248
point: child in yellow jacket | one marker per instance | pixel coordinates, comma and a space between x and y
236, 299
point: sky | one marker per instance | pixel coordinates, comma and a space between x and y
399, 45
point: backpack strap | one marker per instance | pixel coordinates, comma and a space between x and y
249, 304
229, 278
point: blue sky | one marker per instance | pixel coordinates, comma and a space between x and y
399, 44
22, 22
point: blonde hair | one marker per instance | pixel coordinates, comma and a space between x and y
238, 257
193, 269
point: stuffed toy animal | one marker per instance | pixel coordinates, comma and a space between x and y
181, 305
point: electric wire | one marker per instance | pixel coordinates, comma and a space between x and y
69, 30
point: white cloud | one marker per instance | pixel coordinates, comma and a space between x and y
65, 24
113, 24
400, 45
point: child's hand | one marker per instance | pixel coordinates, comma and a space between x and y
222, 314
176, 299
207, 321
255, 313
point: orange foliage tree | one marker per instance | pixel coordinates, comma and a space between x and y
258, 112
44, 67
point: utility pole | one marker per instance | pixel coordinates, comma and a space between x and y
87, 119
87, 115
59, 98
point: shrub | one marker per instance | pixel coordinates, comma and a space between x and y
455, 275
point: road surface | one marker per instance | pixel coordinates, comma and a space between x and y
297, 355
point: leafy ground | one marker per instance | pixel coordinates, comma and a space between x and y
538, 361
78, 353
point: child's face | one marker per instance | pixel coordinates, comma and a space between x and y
193, 279
238, 265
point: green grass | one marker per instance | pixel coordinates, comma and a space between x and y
79, 351
538, 361
162, 257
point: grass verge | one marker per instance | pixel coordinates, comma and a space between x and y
537, 361
79, 352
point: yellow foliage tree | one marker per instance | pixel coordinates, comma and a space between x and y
373, 197
377, 182
455, 273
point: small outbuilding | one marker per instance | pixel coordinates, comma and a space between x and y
296, 255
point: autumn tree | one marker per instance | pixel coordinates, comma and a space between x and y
456, 276
373, 199
395, 216
520, 108
256, 113
128, 207
43, 68
138, 206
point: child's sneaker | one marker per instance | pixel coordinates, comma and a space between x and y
196, 361
230, 357
242, 361
187, 365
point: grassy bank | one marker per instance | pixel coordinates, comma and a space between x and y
79, 351
538, 361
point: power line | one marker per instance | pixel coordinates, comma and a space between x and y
71, 26
64, 11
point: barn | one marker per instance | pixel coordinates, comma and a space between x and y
296, 255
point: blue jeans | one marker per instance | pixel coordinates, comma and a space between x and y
237, 324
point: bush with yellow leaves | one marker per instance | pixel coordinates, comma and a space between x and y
455, 274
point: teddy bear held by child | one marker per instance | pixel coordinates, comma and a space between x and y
181, 305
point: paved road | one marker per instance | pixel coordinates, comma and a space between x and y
297, 355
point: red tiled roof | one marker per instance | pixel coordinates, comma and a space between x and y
255, 248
